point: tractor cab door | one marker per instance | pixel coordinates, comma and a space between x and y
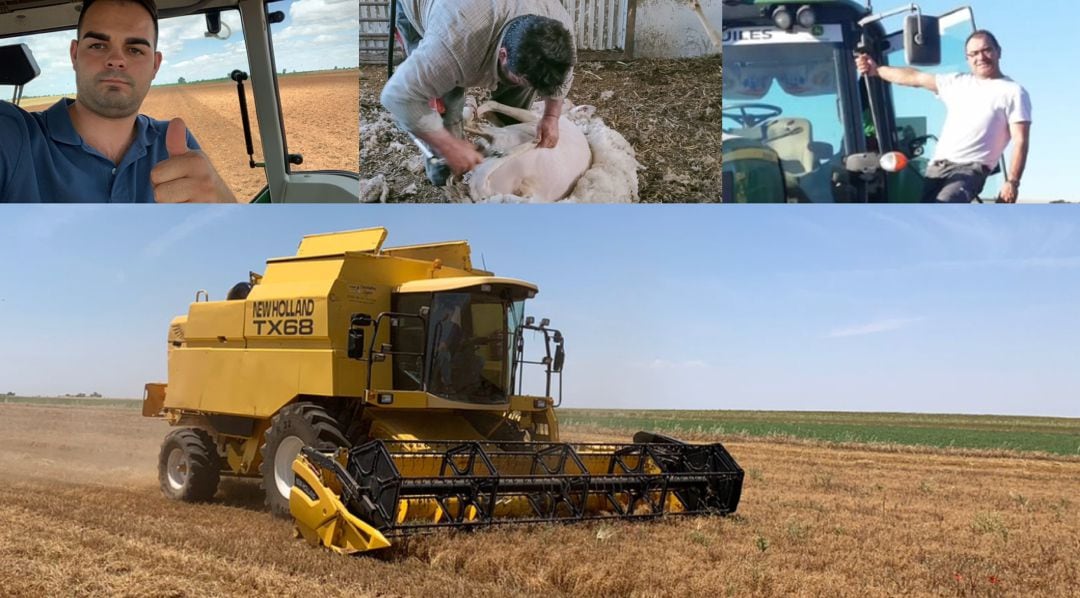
920, 116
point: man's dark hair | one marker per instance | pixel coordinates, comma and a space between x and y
986, 35
539, 49
149, 5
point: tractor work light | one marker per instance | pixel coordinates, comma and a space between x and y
894, 162
782, 17
805, 16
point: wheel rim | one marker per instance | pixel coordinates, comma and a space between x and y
177, 469
287, 451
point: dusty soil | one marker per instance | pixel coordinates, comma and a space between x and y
669, 111
81, 514
320, 111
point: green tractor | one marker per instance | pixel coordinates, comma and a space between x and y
802, 126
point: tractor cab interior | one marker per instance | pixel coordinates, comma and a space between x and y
785, 99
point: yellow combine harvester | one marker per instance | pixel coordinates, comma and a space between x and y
379, 392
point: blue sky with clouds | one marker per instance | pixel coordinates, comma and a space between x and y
913, 308
315, 35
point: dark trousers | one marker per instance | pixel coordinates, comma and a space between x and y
949, 182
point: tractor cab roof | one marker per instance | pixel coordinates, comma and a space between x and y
25, 17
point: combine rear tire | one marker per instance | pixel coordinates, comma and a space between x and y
189, 467
295, 426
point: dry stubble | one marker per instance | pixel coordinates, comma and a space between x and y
81, 514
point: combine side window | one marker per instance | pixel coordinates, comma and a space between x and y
408, 336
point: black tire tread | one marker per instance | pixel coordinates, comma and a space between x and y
203, 461
328, 436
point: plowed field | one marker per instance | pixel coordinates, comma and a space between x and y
321, 112
81, 514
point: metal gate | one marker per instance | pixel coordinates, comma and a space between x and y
603, 29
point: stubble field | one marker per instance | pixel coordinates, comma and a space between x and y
81, 514
321, 112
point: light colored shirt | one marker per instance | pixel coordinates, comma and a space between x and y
460, 48
979, 114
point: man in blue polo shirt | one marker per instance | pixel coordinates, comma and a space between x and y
97, 147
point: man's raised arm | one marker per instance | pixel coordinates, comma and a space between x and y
899, 75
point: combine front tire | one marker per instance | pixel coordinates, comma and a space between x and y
189, 467
294, 427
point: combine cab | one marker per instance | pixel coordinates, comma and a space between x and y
380, 392
800, 123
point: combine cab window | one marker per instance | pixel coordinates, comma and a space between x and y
407, 336
467, 342
785, 98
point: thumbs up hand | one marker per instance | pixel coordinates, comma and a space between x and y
187, 175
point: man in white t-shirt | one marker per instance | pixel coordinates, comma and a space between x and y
985, 110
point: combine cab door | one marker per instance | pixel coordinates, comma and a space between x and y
920, 115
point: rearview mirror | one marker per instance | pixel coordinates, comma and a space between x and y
560, 357
356, 343
922, 40
357, 323
213, 23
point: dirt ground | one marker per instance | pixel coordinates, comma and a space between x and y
81, 514
669, 111
320, 111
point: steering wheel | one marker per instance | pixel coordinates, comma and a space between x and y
751, 115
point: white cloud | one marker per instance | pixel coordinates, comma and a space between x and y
664, 364
202, 217
875, 327
43, 224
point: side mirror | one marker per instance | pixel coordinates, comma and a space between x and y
356, 335
922, 41
358, 320
560, 357
356, 343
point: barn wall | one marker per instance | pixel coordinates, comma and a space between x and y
670, 29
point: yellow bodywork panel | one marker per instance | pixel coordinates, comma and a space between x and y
215, 323
453, 254
400, 425
368, 239
251, 382
325, 520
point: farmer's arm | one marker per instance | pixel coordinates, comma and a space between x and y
1020, 136
547, 130
907, 76
430, 72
